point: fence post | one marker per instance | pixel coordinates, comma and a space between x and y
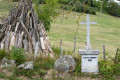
74, 46
61, 47
116, 54
104, 57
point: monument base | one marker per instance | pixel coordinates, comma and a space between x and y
89, 60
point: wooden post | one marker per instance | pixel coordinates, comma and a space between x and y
36, 49
61, 47
74, 46
42, 43
116, 54
104, 52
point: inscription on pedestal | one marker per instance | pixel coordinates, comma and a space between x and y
90, 63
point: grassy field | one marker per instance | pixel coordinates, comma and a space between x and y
4, 7
106, 32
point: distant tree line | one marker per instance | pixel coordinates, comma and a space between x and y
16, 0
104, 6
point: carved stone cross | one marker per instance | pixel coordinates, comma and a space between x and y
88, 30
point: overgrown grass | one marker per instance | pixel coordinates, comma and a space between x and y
57, 52
3, 76
27, 73
18, 55
45, 63
4, 53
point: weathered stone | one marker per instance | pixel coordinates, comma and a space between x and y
65, 63
89, 60
27, 65
7, 63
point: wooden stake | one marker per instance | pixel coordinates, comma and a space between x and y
61, 47
20, 40
12, 43
116, 54
29, 37
2, 44
104, 57
74, 46
7, 40
36, 50
42, 43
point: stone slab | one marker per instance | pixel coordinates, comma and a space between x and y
89, 60
89, 63
88, 52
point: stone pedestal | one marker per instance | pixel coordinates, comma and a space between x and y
89, 60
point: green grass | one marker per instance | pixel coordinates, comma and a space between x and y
106, 32
4, 7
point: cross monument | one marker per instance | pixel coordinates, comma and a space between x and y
89, 57
88, 30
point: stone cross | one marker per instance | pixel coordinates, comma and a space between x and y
88, 30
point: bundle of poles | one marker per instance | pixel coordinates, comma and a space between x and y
23, 29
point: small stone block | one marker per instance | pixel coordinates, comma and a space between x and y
89, 60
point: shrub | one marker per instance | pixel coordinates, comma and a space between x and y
46, 12
27, 73
16, 54
3, 54
97, 5
78, 66
106, 69
41, 72
82, 8
64, 1
16, 0
78, 7
113, 9
56, 51
44, 63
117, 57
2, 75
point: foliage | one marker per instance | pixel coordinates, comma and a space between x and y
106, 69
6, 77
109, 68
46, 12
3, 54
44, 63
97, 5
17, 55
118, 57
56, 51
16, 0
39, 1
113, 9
66, 2
2, 75
78, 66
79, 6
41, 72
27, 73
